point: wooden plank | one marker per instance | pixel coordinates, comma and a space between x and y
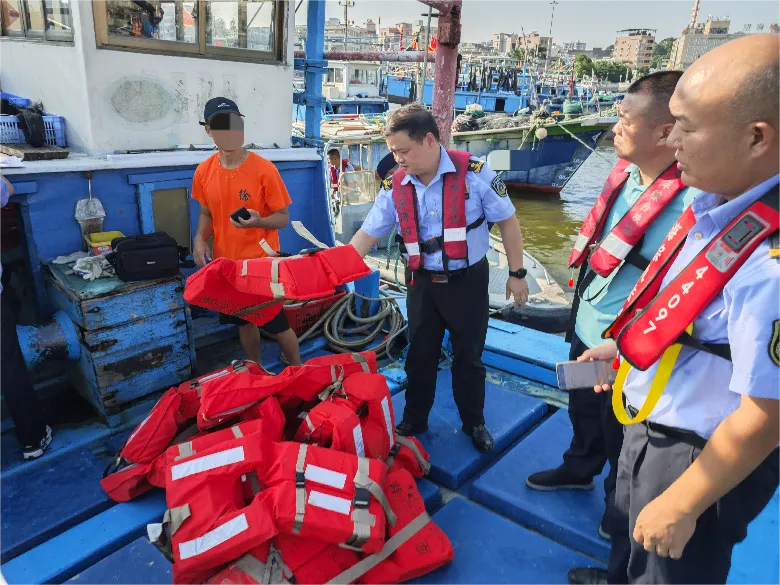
114, 340
138, 304
25, 152
62, 557
24, 187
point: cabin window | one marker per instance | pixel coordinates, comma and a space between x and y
42, 20
335, 75
363, 76
247, 30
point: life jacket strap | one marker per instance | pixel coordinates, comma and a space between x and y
300, 489
425, 465
359, 569
435, 244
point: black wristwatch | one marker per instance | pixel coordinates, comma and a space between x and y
519, 273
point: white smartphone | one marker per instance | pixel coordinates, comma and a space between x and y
576, 375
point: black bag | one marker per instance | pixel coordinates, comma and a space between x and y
147, 256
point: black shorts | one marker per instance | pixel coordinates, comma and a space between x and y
278, 324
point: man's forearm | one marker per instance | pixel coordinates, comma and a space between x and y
737, 447
512, 237
205, 226
275, 221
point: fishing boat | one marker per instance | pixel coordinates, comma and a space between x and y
102, 351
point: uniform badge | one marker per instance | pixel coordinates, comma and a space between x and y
387, 184
475, 166
774, 343
499, 187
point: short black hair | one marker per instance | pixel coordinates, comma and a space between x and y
414, 119
757, 97
334, 151
659, 86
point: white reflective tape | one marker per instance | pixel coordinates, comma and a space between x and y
266, 248
581, 242
357, 434
326, 477
213, 538
244, 267
213, 376
615, 246
201, 464
412, 249
332, 503
140, 426
308, 422
454, 234
388, 421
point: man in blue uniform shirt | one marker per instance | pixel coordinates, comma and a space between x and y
705, 462
444, 293
641, 138
33, 434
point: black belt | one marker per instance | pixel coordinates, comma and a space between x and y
440, 277
687, 437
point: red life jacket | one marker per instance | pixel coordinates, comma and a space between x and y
453, 212
255, 289
616, 245
652, 319
175, 410
334, 174
357, 419
409, 454
226, 398
307, 491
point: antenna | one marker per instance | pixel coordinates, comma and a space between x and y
347, 4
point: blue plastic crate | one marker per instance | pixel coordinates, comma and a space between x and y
54, 128
22, 102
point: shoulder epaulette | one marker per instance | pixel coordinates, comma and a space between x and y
774, 245
475, 166
387, 184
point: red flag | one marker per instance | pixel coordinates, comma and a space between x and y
188, 19
432, 44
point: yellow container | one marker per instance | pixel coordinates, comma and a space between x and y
100, 242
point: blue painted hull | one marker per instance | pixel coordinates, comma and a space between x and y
553, 160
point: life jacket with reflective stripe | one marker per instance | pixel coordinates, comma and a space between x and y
653, 319
357, 418
123, 481
255, 289
608, 254
453, 212
293, 386
176, 409
307, 491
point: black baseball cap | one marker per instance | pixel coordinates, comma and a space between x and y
219, 105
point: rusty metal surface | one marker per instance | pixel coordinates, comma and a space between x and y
446, 69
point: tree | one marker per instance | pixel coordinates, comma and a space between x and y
518, 54
610, 49
583, 66
643, 71
611, 71
662, 50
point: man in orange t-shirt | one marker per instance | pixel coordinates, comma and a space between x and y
224, 183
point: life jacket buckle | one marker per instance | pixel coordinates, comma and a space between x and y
300, 479
362, 498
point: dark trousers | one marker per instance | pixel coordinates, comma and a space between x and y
17, 389
461, 307
598, 436
649, 463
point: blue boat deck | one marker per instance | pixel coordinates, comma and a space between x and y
58, 525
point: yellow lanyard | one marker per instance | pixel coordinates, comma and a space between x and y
657, 387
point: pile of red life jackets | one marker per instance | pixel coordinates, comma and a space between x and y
296, 477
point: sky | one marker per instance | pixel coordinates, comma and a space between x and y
593, 22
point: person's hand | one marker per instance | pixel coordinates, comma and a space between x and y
201, 252
664, 528
518, 288
606, 352
255, 221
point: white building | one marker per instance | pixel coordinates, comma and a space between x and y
694, 42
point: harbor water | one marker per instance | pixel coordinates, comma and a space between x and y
550, 223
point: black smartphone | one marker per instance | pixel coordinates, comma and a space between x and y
574, 375
240, 213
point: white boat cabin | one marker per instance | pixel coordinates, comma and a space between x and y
345, 80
